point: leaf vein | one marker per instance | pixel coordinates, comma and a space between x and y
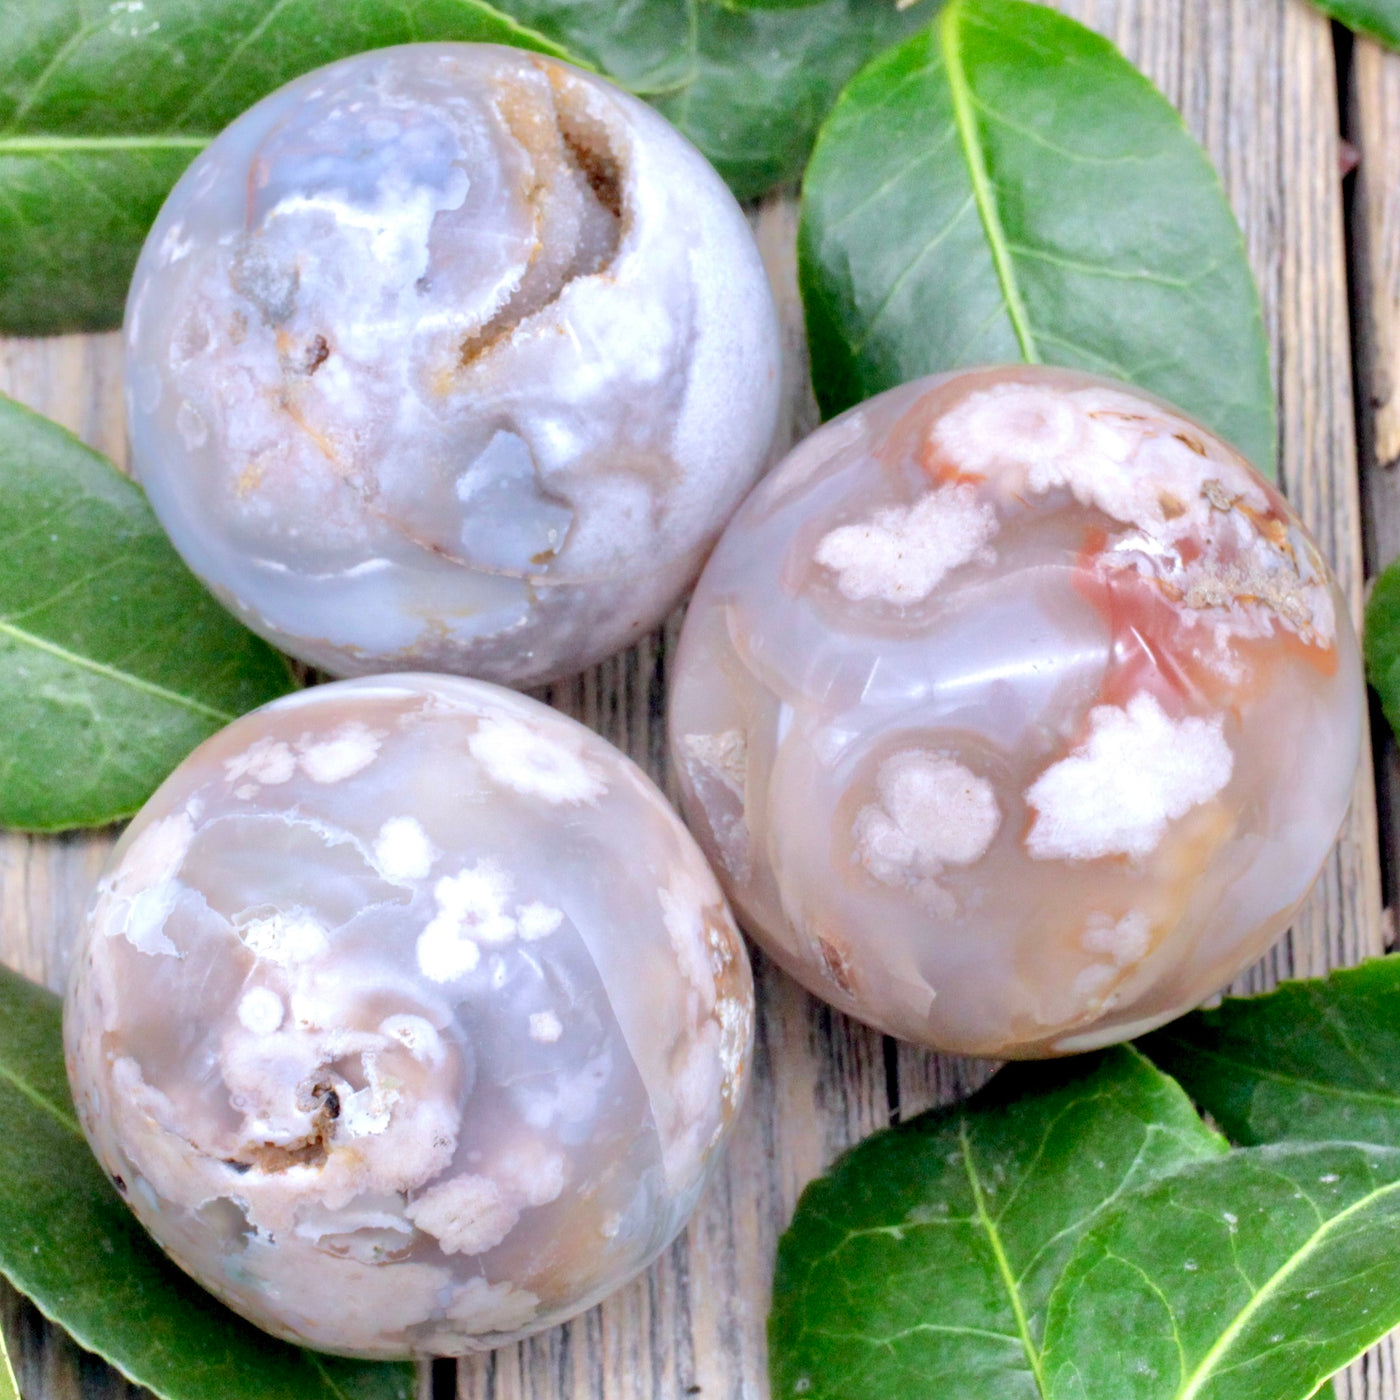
66, 1120
36, 88
111, 673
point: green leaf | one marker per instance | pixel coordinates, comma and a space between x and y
1378, 18
68, 1242
768, 4
923, 1264
1259, 1274
750, 87
1313, 1061
114, 661
1006, 186
1381, 641
9, 1386
102, 105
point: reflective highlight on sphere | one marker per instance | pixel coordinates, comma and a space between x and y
450, 357
1017, 712
409, 1017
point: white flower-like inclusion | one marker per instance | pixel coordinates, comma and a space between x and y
401, 1060
348, 751
1019, 425
261, 1011
932, 812
1121, 944
471, 911
537, 920
484, 1308
329, 759
268, 761
1161, 477
467, 1214
1046, 802
136, 899
402, 850
285, 938
526, 761
417, 1035
545, 1027
904, 552
1138, 770
1152, 471
1123, 941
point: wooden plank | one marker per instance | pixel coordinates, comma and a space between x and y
1375, 131
1374, 128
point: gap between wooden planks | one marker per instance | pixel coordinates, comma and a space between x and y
1372, 124
1256, 82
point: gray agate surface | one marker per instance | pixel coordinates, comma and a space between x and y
450, 357
408, 1017
1017, 712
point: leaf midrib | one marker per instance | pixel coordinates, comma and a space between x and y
87, 663
1008, 1278
950, 41
40, 145
1205, 1367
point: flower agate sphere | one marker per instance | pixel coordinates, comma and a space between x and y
408, 1017
450, 357
1018, 712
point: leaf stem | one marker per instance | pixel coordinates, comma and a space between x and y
950, 38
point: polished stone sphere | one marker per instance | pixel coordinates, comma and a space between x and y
408, 1017
1017, 712
450, 357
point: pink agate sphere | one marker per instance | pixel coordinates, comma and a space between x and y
1017, 712
408, 1017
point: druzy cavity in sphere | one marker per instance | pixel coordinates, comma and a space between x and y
409, 1017
1016, 711
449, 357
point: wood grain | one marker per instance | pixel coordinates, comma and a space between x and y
1255, 81
1375, 131
1373, 126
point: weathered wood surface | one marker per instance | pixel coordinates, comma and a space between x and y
1256, 81
1372, 119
